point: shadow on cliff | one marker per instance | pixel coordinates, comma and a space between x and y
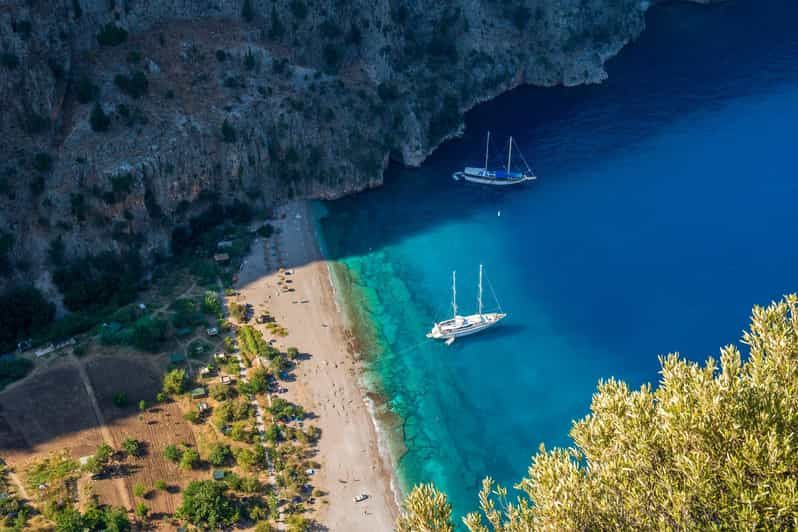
691, 60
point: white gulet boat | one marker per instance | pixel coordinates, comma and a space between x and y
501, 177
458, 325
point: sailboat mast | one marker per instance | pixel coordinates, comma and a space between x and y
479, 292
509, 154
454, 294
487, 149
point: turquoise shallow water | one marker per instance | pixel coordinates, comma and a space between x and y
665, 209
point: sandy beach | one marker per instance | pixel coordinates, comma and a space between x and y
328, 382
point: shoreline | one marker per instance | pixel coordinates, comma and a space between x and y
353, 450
379, 423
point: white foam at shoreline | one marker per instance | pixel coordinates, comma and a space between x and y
383, 446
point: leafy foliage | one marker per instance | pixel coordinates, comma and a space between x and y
111, 35
206, 504
98, 119
96, 281
174, 382
220, 454
425, 508
23, 312
228, 132
135, 85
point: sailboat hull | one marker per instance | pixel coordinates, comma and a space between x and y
493, 181
464, 325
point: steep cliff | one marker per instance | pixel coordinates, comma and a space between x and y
122, 119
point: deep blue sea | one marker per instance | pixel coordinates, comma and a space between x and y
666, 207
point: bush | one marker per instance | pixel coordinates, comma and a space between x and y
219, 455
228, 132
238, 311
98, 281
276, 28
285, 411
521, 15
142, 510
111, 35
189, 460
248, 11
332, 55
132, 447
136, 85
120, 399
9, 60
221, 392
160, 485
174, 381
99, 120
172, 453
249, 60
12, 369
245, 458
86, 91
139, 490
211, 304
192, 416
23, 312
207, 505
299, 9
149, 333
42, 162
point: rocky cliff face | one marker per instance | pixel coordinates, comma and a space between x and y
121, 119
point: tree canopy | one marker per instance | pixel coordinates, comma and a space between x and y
711, 447
206, 505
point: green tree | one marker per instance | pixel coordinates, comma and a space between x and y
172, 453
139, 490
189, 460
248, 11
206, 504
425, 510
98, 119
228, 132
120, 399
174, 381
132, 447
142, 510
219, 454
710, 448
142, 405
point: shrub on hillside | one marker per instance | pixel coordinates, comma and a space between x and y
135, 85
111, 35
96, 281
86, 91
23, 312
206, 504
98, 119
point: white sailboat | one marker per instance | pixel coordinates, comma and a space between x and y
501, 177
458, 325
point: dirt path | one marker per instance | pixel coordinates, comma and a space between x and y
20, 486
106, 433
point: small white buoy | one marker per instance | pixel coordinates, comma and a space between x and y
499, 214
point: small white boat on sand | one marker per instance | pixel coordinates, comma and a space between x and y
458, 326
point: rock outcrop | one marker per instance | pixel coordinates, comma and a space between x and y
122, 119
